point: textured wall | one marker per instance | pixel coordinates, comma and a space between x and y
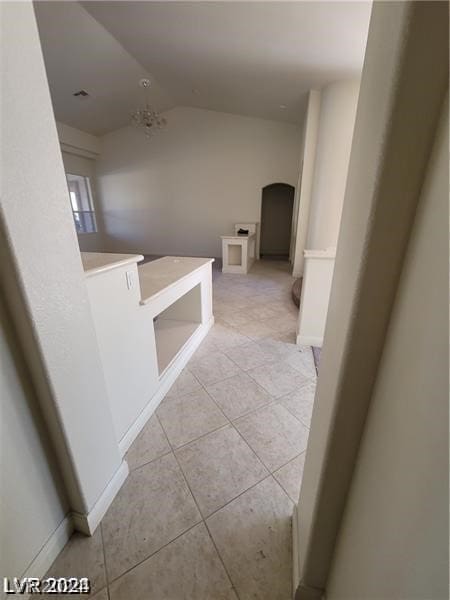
46, 284
399, 496
178, 192
33, 503
337, 119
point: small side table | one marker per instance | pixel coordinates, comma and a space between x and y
238, 253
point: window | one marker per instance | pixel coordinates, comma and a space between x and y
81, 202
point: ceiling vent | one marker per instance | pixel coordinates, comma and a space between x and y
81, 94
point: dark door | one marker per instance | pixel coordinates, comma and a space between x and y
277, 205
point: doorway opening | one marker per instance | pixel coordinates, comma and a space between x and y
277, 205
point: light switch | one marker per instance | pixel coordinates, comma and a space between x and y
129, 275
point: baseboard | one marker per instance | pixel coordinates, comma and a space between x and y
300, 591
307, 340
231, 270
295, 557
48, 553
51, 549
166, 382
88, 523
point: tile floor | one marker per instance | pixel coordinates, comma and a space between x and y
206, 511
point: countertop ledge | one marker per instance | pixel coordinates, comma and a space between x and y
99, 262
158, 275
243, 236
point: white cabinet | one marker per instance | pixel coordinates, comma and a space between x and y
149, 321
239, 251
315, 296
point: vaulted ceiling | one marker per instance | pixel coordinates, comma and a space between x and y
251, 58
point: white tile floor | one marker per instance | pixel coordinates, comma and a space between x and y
206, 511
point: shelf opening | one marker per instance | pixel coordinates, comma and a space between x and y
175, 325
235, 254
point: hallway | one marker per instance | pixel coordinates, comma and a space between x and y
206, 511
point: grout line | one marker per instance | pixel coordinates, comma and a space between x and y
202, 517
220, 381
216, 404
274, 400
294, 502
230, 423
104, 556
289, 461
279, 400
164, 431
156, 552
175, 449
189, 488
221, 560
235, 497
285, 490
269, 361
255, 409
204, 522
238, 496
253, 450
148, 462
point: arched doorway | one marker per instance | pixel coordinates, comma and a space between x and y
277, 204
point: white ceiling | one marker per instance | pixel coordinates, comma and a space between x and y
80, 54
240, 57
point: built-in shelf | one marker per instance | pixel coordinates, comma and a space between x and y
148, 321
100, 262
234, 254
158, 276
171, 336
175, 325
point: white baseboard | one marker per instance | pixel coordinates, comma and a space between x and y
88, 523
295, 557
73, 521
299, 590
48, 553
305, 340
51, 549
237, 270
166, 382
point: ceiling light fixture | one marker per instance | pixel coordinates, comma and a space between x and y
282, 106
147, 118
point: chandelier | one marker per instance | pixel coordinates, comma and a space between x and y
146, 118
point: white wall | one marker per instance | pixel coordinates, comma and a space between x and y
329, 140
32, 502
405, 74
337, 119
304, 188
394, 539
178, 192
126, 343
44, 281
